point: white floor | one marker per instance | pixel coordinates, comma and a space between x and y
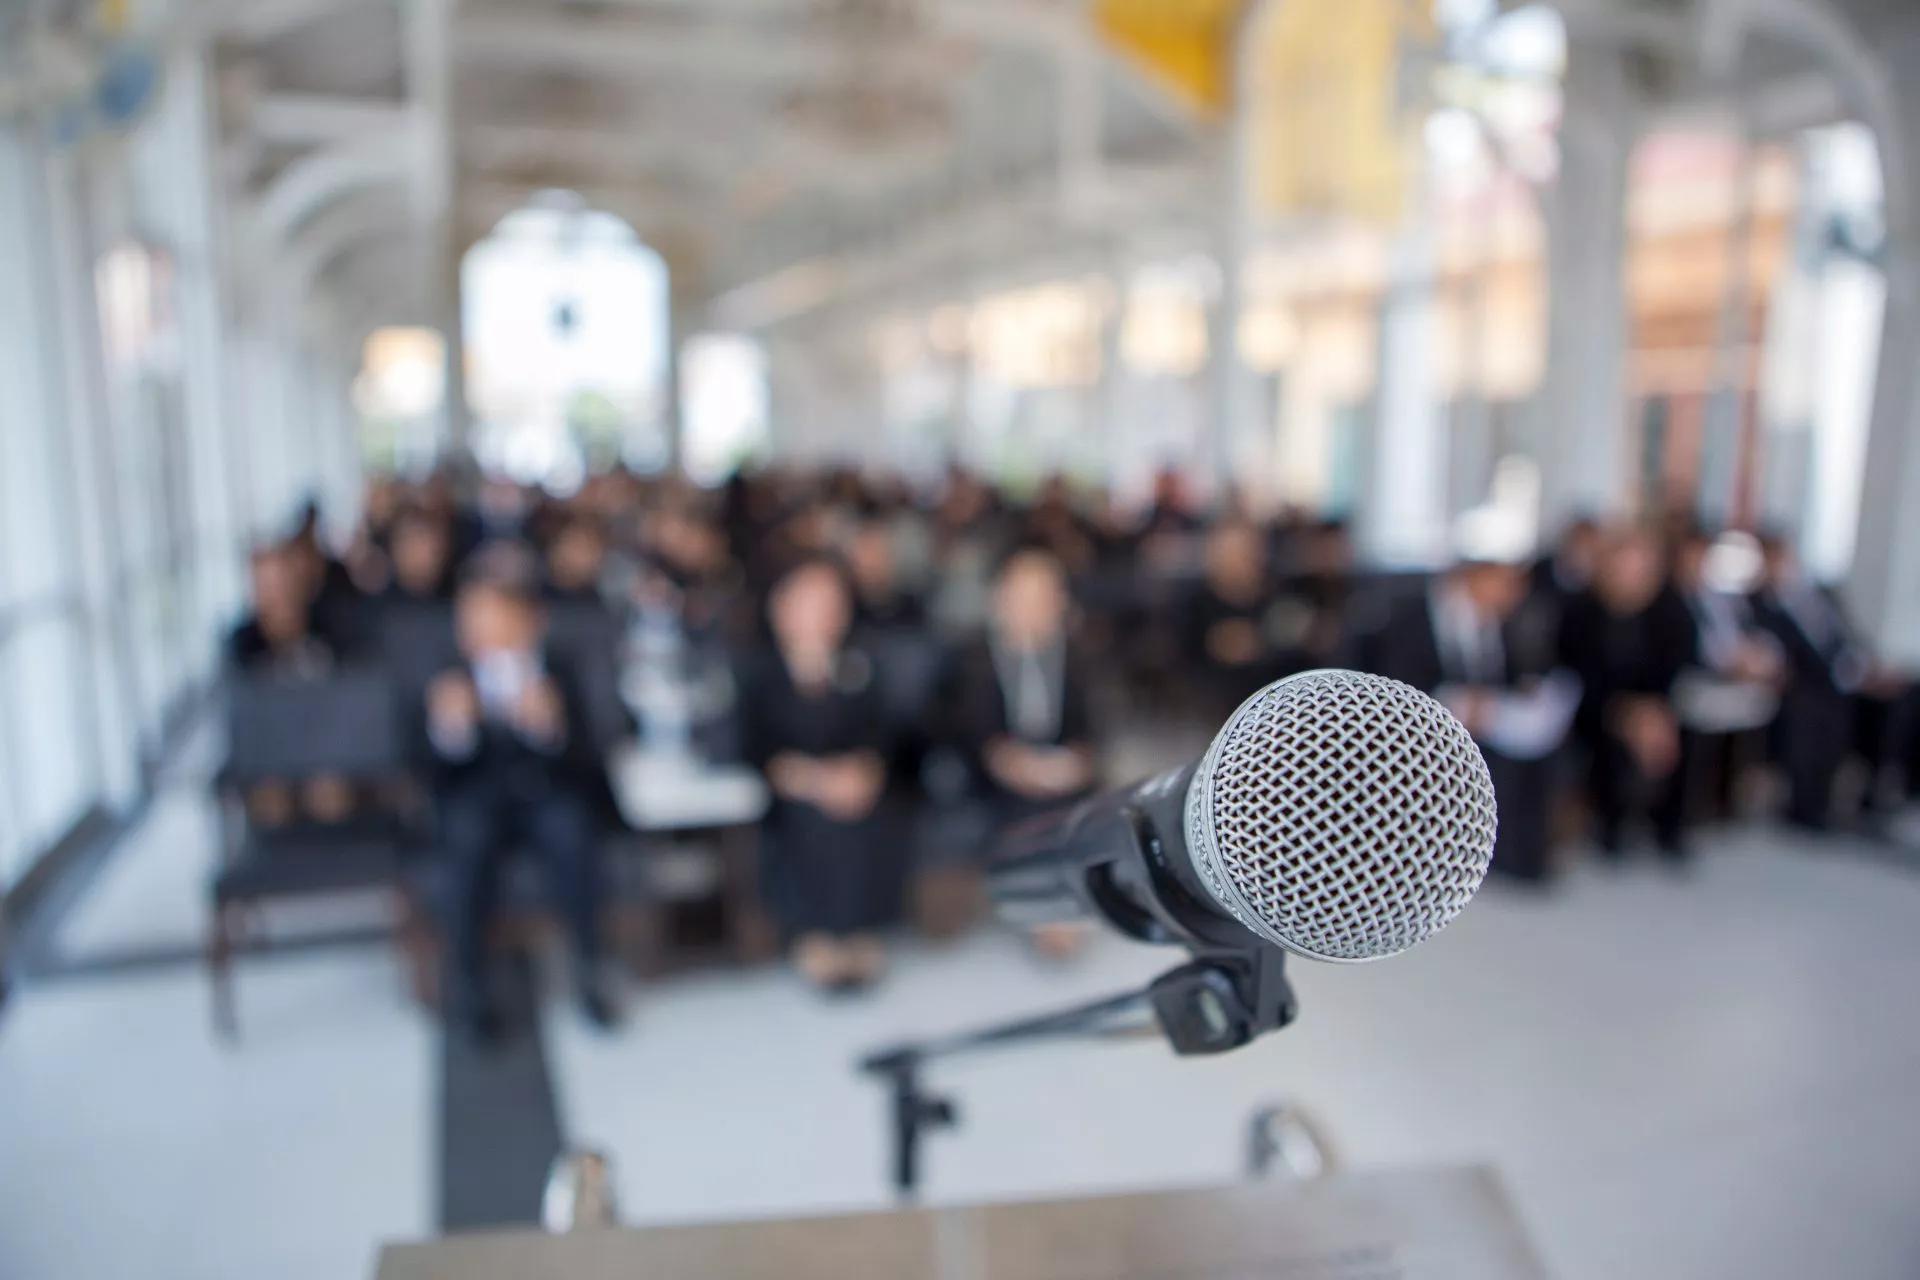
1706, 1078
1710, 1077
132, 1145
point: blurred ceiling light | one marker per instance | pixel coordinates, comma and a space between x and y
897, 343
403, 373
1529, 41
1164, 330
1455, 144
1268, 338
1165, 336
947, 329
1455, 15
1044, 336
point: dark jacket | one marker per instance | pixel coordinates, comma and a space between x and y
503, 759
1641, 654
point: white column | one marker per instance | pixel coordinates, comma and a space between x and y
1403, 517
1579, 418
71, 255
1884, 587
673, 403
1232, 392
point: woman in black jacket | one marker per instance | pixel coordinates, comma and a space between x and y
812, 723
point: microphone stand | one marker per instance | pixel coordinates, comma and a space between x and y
1219, 1000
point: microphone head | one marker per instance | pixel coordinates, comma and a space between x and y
1341, 816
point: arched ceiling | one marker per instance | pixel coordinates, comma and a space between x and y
745, 138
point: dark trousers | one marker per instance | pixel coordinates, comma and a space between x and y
1619, 790
1883, 736
1523, 789
481, 825
1813, 735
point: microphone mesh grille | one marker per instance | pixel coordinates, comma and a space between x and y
1342, 816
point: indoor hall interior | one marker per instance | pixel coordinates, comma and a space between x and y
587, 591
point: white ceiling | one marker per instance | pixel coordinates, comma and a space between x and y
742, 138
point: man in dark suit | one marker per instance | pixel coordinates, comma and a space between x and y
1732, 687
1832, 679
1018, 705
1629, 638
515, 766
1459, 641
1227, 636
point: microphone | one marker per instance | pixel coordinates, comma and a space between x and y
1336, 815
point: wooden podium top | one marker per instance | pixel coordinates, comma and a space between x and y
1445, 1224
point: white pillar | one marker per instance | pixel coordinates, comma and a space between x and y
1884, 587
1403, 518
1580, 414
1232, 395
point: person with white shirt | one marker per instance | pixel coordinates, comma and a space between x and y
515, 770
1460, 641
1832, 678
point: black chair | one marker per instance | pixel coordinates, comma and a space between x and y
289, 732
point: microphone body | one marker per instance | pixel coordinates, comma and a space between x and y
1337, 815
1119, 856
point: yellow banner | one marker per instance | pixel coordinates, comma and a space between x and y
1184, 44
1330, 135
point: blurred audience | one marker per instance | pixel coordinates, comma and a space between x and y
888, 656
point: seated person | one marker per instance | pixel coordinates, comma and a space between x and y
1732, 686
1227, 644
513, 769
285, 638
1311, 626
282, 635
577, 562
337, 603
811, 722
1019, 706
884, 602
421, 551
1833, 683
1629, 638
1461, 642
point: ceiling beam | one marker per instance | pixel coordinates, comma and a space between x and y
316, 119
258, 21
720, 165
313, 181
639, 49
992, 228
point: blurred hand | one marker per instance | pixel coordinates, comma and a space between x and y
1234, 642
453, 705
540, 713
1471, 706
1038, 773
847, 789
793, 776
1884, 682
1758, 663
1652, 736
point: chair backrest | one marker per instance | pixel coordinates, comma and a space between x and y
344, 724
417, 644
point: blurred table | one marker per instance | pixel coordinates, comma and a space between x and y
676, 791
1442, 1224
